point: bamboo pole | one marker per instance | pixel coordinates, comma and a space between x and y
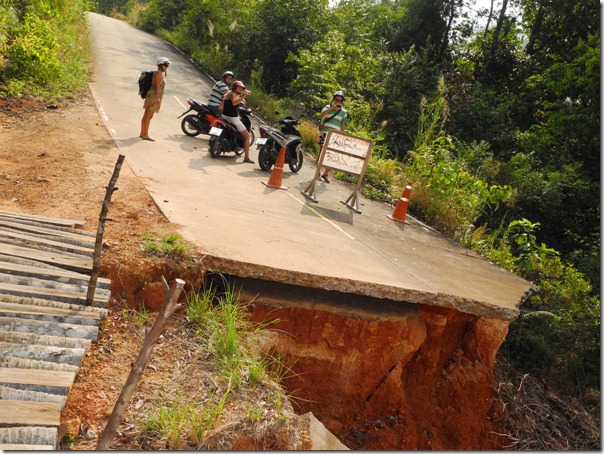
168, 308
98, 245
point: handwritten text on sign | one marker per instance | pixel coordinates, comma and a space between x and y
342, 162
348, 144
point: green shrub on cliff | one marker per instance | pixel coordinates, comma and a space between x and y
557, 334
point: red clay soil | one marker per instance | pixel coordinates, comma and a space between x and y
421, 380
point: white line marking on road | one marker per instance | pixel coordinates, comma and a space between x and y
329, 221
183, 106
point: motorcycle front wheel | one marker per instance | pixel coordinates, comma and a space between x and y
296, 166
216, 146
265, 159
189, 125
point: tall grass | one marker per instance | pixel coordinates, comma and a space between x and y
228, 339
184, 420
446, 193
170, 421
223, 327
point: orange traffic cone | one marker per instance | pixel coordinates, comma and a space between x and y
277, 174
400, 212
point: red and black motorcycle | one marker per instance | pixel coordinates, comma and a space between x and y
198, 123
224, 138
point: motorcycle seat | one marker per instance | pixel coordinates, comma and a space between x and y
198, 106
279, 136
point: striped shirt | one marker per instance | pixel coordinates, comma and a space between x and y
217, 93
336, 121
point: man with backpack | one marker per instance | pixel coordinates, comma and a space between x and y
218, 91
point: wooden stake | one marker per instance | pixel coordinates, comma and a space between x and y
98, 245
169, 306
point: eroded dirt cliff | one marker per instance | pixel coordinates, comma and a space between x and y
383, 375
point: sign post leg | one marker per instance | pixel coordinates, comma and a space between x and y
353, 199
309, 192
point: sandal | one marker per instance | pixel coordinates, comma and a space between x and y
248, 160
325, 177
148, 138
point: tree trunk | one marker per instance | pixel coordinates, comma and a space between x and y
496, 34
486, 28
535, 29
445, 40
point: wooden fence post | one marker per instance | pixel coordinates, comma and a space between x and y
98, 245
168, 308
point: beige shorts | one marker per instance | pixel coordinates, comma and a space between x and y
235, 121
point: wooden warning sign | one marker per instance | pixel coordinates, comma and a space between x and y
344, 153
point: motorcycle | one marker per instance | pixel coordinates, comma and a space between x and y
198, 123
224, 136
271, 140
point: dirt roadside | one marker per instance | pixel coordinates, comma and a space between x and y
57, 162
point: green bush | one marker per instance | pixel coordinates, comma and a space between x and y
47, 50
557, 334
8, 22
445, 193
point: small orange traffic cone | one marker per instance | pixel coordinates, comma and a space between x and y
400, 211
277, 174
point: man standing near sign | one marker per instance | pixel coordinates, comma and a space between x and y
334, 117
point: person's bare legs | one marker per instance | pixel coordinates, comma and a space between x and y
145, 122
246, 145
325, 175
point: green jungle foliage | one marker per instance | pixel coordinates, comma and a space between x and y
493, 116
45, 49
494, 122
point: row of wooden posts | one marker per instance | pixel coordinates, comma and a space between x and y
170, 305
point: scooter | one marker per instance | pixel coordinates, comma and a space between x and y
198, 123
224, 137
271, 140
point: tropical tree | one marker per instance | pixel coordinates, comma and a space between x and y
282, 29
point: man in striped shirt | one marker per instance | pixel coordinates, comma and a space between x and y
334, 117
218, 91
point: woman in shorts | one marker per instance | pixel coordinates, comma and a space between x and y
231, 100
154, 97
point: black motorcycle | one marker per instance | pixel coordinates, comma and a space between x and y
198, 123
271, 140
224, 137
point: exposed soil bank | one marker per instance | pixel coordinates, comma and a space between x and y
378, 374
384, 375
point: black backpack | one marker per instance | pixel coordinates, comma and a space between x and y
144, 83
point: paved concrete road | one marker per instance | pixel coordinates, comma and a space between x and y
249, 230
